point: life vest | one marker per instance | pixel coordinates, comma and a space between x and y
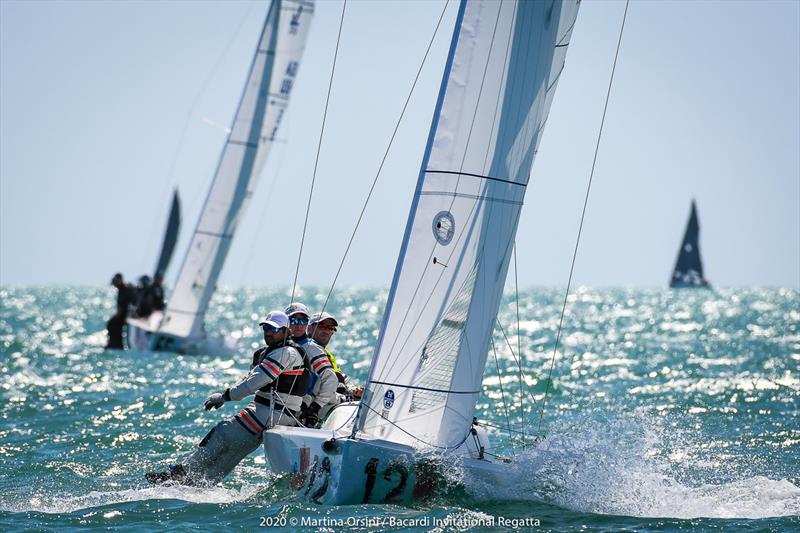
292, 381
341, 389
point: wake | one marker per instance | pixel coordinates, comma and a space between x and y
629, 467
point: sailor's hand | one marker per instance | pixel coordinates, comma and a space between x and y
357, 393
215, 401
309, 415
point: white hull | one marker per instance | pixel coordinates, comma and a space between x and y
331, 469
143, 336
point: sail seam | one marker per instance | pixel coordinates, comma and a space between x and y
415, 387
470, 196
243, 143
491, 178
212, 234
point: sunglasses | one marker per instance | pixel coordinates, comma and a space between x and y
270, 329
294, 321
328, 328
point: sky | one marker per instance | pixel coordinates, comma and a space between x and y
106, 106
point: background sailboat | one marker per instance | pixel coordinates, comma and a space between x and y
688, 271
261, 109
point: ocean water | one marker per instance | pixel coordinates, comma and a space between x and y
667, 410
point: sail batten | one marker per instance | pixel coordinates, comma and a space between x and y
259, 114
497, 89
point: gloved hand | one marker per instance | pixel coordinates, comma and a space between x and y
215, 401
309, 414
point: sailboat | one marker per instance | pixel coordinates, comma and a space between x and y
170, 236
262, 107
425, 378
688, 271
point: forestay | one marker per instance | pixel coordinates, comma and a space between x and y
502, 70
261, 108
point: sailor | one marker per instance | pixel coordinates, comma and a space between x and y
142, 297
157, 292
278, 378
117, 321
321, 327
323, 392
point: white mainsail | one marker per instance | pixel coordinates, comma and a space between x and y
261, 109
504, 63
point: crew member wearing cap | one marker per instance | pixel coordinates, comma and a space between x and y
322, 326
322, 376
278, 379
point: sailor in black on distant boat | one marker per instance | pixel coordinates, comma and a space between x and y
688, 270
115, 324
279, 378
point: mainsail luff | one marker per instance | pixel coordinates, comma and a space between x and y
261, 108
427, 370
170, 236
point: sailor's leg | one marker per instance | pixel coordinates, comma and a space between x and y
220, 451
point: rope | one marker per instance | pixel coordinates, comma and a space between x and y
319, 147
519, 345
583, 215
171, 181
417, 438
503, 396
383, 160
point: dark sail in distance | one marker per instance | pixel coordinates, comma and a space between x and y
688, 270
170, 235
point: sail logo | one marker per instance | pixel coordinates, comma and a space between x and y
388, 399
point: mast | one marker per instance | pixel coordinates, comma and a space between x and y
258, 117
504, 63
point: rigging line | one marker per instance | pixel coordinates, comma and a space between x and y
513, 355
170, 183
499, 94
583, 215
503, 396
519, 342
319, 148
264, 208
449, 208
419, 439
385, 155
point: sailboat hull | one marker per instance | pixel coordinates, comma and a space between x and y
329, 468
143, 335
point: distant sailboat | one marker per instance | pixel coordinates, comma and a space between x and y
261, 109
170, 236
688, 270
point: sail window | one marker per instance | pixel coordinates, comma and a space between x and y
444, 226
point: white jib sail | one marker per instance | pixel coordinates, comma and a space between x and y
504, 64
255, 125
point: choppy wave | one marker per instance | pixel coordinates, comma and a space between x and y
630, 467
67, 503
675, 404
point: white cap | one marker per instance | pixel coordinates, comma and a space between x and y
297, 309
319, 317
277, 319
